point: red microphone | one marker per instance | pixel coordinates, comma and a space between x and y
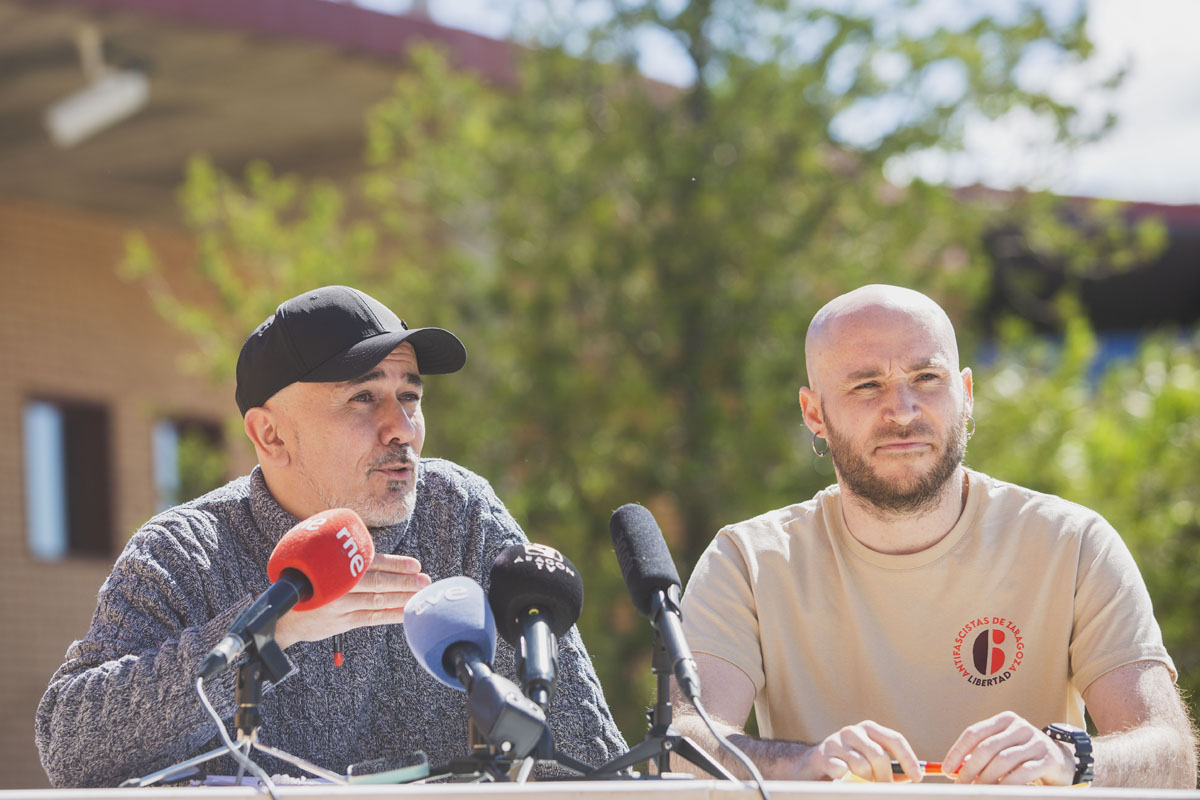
314, 563
332, 549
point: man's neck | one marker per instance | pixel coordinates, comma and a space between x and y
289, 497
902, 534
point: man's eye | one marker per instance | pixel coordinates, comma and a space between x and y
410, 397
362, 397
927, 376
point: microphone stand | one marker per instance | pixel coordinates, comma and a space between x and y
496, 716
663, 738
545, 752
485, 764
263, 655
488, 763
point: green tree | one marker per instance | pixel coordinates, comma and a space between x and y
633, 265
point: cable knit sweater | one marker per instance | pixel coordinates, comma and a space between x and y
124, 703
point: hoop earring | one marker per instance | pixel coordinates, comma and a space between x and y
971, 431
820, 453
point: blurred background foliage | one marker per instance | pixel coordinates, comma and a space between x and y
633, 266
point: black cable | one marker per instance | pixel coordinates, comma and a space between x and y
737, 753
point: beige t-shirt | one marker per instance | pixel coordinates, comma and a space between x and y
1020, 607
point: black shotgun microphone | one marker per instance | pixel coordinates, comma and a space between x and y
536, 596
654, 586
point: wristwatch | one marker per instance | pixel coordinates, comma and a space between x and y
1079, 739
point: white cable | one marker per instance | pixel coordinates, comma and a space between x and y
307, 766
237, 754
526, 768
737, 753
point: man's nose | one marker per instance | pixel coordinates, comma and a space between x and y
398, 425
902, 407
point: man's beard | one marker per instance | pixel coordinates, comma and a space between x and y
375, 513
890, 497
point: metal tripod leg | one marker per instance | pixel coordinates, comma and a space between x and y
656, 745
247, 720
688, 750
564, 760
175, 769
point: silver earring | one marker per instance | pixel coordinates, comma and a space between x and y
820, 453
971, 430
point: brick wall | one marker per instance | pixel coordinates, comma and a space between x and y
71, 329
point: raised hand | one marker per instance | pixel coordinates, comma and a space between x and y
378, 599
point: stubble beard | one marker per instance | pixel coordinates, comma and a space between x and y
890, 497
376, 512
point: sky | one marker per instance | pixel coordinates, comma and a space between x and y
1153, 154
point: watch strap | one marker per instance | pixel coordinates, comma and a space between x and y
1082, 743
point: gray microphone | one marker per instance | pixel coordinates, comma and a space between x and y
654, 586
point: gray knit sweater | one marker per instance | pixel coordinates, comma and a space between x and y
124, 703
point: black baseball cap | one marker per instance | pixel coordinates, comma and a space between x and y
333, 334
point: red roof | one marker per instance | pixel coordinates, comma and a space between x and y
356, 28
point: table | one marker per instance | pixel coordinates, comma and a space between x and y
616, 790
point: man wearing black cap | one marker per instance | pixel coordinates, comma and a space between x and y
330, 388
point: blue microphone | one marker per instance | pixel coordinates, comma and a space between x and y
449, 626
451, 632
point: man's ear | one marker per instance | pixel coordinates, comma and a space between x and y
262, 425
810, 406
968, 389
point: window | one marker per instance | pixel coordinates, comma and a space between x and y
68, 486
189, 460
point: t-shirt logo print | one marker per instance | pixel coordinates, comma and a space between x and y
989, 660
988, 650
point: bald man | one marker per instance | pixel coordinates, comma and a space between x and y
918, 609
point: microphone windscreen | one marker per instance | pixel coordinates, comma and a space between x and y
526, 576
332, 549
642, 553
444, 613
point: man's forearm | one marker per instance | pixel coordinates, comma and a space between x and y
776, 760
109, 715
1153, 755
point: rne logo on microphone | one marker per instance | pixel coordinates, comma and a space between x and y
357, 565
423, 604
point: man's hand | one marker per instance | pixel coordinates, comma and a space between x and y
865, 750
378, 599
1008, 749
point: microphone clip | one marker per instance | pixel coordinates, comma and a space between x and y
275, 664
537, 658
672, 656
507, 720
664, 601
262, 648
